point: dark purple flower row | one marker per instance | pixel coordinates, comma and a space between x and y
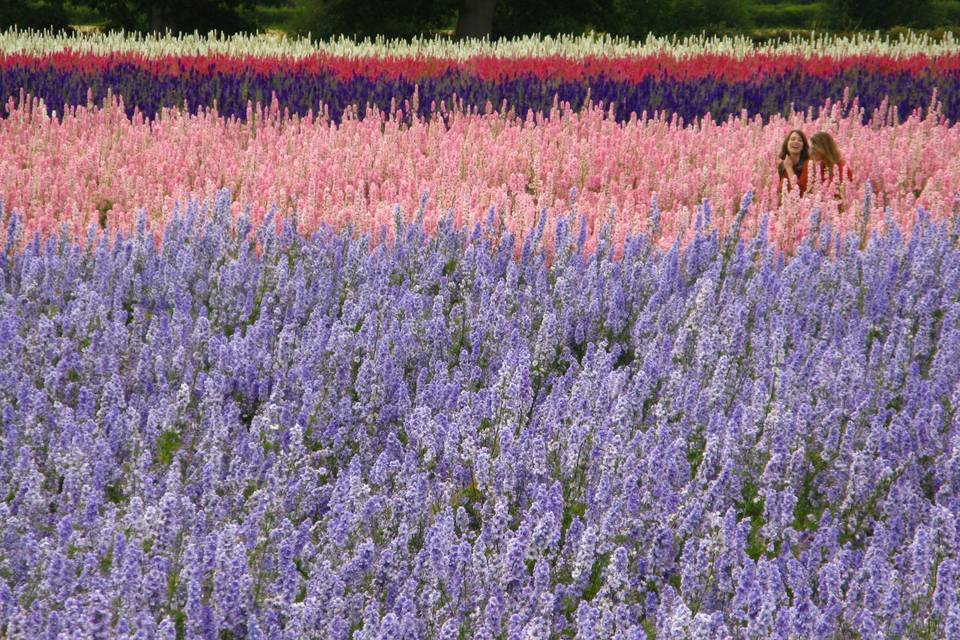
302, 93
318, 439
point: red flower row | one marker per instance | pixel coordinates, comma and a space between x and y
489, 67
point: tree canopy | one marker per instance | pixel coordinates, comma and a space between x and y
507, 18
33, 14
473, 18
229, 16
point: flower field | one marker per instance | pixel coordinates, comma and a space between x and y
388, 362
94, 164
692, 78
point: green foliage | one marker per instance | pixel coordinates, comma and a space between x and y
809, 508
808, 15
633, 18
167, 445
180, 624
404, 19
114, 493
370, 18
33, 14
106, 562
553, 17
853, 15
868, 14
649, 628
751, 506
596, 576
203, 16
637, 18
946, 12
274, 17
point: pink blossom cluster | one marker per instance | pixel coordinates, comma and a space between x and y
95, 166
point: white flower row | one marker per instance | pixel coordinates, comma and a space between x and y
575, 47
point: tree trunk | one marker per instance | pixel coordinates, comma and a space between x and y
475, 19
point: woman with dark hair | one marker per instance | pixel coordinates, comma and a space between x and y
793, 163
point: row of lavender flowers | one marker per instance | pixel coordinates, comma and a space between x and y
249, 434
305, 93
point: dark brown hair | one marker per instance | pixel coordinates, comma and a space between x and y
804, 152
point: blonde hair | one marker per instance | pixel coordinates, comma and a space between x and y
825, 147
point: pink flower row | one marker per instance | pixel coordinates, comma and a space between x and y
94, 165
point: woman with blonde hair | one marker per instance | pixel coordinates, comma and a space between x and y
825, 152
